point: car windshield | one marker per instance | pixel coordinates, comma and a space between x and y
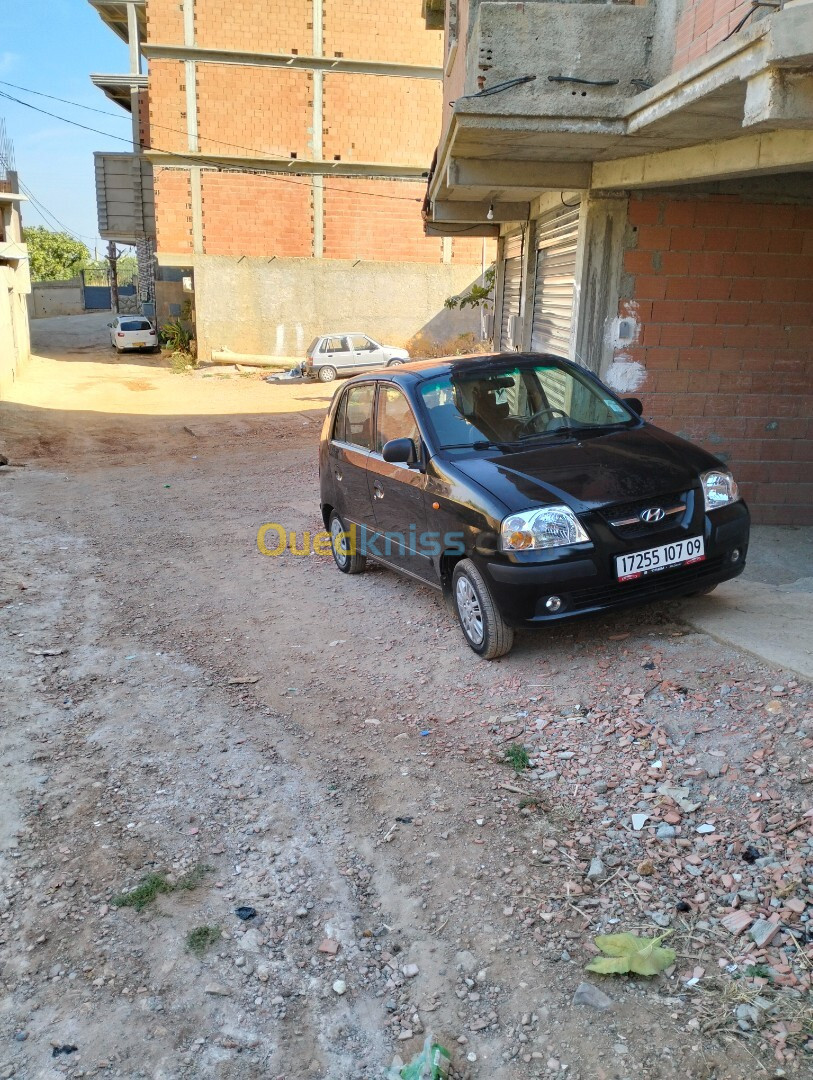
136, 324
515, 405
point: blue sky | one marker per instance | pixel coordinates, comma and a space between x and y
53, 46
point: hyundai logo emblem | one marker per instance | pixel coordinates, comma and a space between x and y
653, 514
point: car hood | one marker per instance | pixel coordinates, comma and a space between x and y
595, 470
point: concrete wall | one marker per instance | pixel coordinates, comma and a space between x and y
277, 307
56, 298
14, 337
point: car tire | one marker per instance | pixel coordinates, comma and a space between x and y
396, 363
483, 626
705, 590
347, 562
327, 373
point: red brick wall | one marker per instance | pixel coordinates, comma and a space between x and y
173, 211
723, 293
375, 118
167, 94
381, 31
388, 230
254, 25
165, 22
256, 215
703, 24
253, 111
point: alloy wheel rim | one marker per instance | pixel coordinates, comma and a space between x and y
471, 614
338, 542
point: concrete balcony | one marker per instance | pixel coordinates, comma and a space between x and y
572, 95
12, 252
125, 197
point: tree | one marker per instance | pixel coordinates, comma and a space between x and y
54, 256
481, 296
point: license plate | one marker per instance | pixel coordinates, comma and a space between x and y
138, 344
680, 553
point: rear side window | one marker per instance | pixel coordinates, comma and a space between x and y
340, 418
136, 324
334, 344
358, 428
395, 419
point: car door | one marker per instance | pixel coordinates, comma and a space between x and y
350, 446
397, 490
334, 351
368, 355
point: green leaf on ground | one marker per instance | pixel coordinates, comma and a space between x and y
627, 954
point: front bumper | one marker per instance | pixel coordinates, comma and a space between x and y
583, 575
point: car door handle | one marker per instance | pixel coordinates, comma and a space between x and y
378, 491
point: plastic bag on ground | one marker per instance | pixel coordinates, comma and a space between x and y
432, 1063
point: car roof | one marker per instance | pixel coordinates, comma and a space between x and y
415, 371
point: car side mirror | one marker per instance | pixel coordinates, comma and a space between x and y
400, 452
635, 404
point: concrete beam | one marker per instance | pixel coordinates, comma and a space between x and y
290, 166
500, 175
774, 151
291, 60
448, 229
779, 98
476, 211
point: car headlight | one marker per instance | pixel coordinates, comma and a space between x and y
719, 488
547, 527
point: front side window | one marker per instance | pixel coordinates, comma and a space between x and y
395, 419
360, 343
358, 427
516, 405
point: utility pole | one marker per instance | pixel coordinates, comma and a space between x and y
112, 259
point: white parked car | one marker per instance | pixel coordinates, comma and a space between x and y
348, 354
133, 332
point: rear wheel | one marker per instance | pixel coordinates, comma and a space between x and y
327, 373
484, 628
342, 544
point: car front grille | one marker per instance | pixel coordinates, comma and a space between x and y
649, 586
625, 518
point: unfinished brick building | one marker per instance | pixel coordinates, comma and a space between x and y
650, 166
288, 145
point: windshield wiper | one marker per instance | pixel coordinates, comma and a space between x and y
548, 434
480, 444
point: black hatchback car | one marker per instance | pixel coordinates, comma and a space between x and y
525, 489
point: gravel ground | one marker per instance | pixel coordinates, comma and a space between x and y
324, 755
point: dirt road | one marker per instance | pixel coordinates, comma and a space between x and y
234, 731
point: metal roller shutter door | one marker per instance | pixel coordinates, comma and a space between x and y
511, 288
555, 283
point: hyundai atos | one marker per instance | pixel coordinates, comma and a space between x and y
525, 489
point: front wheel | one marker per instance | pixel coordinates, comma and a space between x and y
396, 363
344, 545
327, 373
480, 620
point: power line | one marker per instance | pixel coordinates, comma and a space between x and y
47, 214
196, 159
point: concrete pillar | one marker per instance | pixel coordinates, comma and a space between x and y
599, 263
317, 139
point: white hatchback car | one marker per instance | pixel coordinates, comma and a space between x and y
133, 332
